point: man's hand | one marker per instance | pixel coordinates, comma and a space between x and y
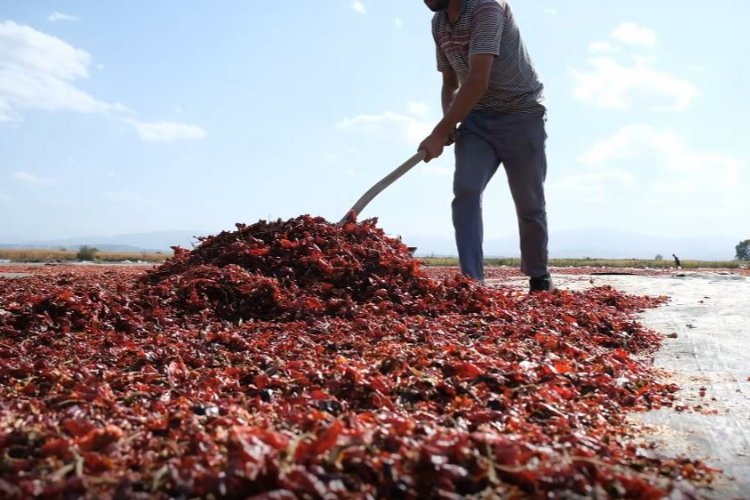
434, 144
458, 104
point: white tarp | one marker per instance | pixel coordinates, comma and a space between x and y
709, 358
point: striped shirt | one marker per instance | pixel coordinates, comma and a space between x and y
488, 27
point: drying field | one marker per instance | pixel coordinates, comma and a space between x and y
300, 359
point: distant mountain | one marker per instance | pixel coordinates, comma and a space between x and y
76, 246
594, 243
159, 241
623, 245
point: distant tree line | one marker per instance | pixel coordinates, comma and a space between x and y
87, 253
743, 250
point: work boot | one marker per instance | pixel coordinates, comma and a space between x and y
541, 284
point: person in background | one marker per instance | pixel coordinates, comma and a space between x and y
677, 262
490, 88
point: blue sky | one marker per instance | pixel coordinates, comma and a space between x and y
122, 117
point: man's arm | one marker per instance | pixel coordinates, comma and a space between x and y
456, 105
450, 86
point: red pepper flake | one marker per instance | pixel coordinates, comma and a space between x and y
100, 439
301, 358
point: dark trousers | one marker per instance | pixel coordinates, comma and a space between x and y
486, 140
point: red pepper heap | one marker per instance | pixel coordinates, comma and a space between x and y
307, 267
301, 359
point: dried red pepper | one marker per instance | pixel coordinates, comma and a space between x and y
301, 358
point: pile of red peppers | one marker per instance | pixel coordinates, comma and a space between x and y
304, 359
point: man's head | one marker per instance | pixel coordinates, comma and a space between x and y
437, 5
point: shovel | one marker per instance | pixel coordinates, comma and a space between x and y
382, 184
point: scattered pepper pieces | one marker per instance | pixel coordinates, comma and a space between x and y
302, 358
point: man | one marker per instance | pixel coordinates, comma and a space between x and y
677, 262
491, 88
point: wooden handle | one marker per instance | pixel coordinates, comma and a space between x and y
384, 183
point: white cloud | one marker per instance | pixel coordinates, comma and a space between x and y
673, 167
359, 6
602, 47
58, 16
399, 23
609, 84
39, 71
436, 168
6, 112
632, 34
366, 119
167, 131
593, 186
630, 141
122, 196
653, 179
613, 83
551, 11
412, 129
29, 178
418, 108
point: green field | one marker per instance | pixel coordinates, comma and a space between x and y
592, 262
60, 255
36, 255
